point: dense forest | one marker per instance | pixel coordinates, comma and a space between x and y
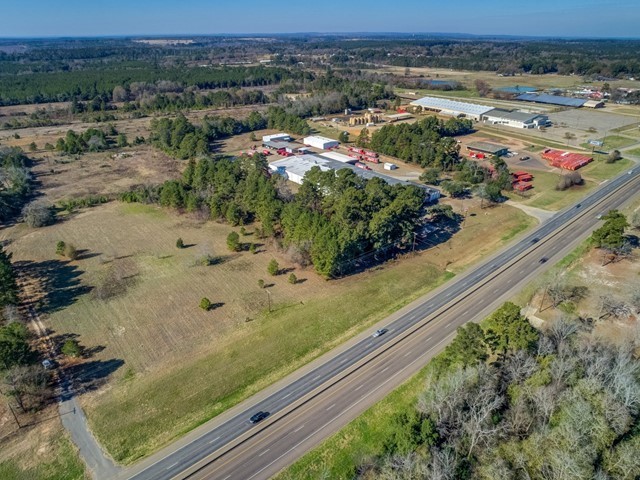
91, 83
334, 219
506, 401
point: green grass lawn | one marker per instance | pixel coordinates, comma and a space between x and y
612, 142
544, 195
635, 152
600, 170
442, 93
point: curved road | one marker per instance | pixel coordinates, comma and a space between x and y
318, 400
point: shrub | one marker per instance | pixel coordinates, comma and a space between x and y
252, 248
293, 279
60, 247
205, 304
71, 348
613, 157
233, 241
38, 214
261, 283
243, 231
179, 243
273, 268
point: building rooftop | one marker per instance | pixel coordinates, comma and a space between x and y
552, 99
516, 115
320, 138
487, 147
451, 105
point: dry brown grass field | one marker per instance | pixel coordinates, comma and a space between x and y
170, 365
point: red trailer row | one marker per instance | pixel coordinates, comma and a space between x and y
566, 160
522, 186
363, 166
366, 155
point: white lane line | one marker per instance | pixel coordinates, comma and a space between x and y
316, 377
429, 338
227, 477
449, 324
407, 354
287, 395
172, 465
385, 369
261, 454
371, 392
358, 387
496, 290
331, 406
369, 344
343, 360
465, 312
299, 428
211, 441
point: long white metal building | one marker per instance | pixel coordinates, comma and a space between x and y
323, 143
453, 108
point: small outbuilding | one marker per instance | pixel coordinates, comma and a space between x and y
488, 148
594, 104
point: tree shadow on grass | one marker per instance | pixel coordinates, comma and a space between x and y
85, 254
59, 280
89, 376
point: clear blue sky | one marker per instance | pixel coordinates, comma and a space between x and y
592, 18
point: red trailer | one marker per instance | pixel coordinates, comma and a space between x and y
363, 166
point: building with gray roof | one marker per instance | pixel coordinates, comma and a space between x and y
515, 119
552, 99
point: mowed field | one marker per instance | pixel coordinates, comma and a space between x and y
168, 365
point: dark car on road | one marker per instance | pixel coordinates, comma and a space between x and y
258, 417
543, 260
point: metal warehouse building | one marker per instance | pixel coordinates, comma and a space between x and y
515, 119
452, 107
295, 168
323, 143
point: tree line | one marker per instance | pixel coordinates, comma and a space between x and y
506, 401
15, 182
88, 84
334, 219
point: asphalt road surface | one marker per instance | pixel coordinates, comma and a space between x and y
318, 400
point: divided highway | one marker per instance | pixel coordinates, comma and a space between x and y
318, 400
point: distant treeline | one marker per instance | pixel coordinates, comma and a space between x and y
335, 218
90, 83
